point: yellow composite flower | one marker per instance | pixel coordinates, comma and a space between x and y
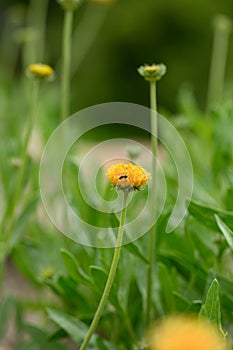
40, 70
186, 333
127, 177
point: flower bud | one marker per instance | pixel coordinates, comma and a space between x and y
152, 72
40, 71
69, 5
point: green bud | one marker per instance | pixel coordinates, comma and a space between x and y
152, 72
223, 23
26, 35
69, 5
133, 151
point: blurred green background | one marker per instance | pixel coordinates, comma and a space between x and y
112, 40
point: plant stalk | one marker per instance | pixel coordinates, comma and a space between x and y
7, 225
111, 275
154, 146
218, 60
66, 64
32, 117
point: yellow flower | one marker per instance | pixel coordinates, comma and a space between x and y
152, 72
48, 273
127, 177
40, 70
186, 333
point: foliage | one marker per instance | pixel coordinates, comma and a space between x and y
193, 264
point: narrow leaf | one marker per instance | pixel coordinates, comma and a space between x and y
211, 308
135, 250
6, 308
72, 325
77, 330
206, 215
228, 233
72, 268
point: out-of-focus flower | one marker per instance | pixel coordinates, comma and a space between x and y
26, 35
152, 72
40, 71
133, 151
186, 333
223, 23
127, 177
47, 273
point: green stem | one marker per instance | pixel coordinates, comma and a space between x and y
10, 212
111, 276
218, 60
82, 34
154, 146
66, 65
33, 50
129, 327
6, 230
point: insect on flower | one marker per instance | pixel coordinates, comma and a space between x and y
124, 183
127, 177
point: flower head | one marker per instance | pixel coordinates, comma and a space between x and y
186, 333
152, 72
127, 177
48, 273
69, 5
133, 151
223, 23
40, 71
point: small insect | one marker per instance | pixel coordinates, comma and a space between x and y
124, 184
123, 177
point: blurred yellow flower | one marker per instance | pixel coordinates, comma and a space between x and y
40, 70
48, 273
127, 177
186, 333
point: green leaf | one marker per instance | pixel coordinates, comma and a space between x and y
37, 338
228, 233
23, 218
134, 249
174, 247
100, 278
58, 334
167, 287
6, 308
181, 302
76, 329
72, 268
101, 345
206, 215
33, 254
211, 308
